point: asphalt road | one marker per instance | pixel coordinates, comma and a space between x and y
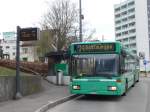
136, 100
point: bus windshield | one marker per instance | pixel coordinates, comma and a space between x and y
95, 65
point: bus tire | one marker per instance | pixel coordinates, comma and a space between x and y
133, 82
126, 88
138, 78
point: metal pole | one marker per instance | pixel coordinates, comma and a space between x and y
80, 20
145, 71
18, 94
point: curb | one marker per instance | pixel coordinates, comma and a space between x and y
52, 104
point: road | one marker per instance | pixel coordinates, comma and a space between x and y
136, 100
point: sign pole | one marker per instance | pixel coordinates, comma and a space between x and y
18, 94
145, 71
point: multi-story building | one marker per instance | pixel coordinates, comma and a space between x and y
28, 51
8, 44
131, 27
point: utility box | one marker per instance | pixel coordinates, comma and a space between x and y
63, 67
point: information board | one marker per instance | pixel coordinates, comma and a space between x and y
29, 34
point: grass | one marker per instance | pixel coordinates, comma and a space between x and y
9, 72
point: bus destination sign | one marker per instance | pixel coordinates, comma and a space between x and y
90, 48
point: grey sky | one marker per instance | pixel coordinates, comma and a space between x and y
27, 13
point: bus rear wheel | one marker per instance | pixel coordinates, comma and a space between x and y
133, 82
138, 78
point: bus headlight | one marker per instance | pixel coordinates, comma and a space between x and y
112, 88
77, 87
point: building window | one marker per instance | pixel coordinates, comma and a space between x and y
25, 59
118, 22
117, 16
125, 40
124, 20
124, 26
124, 6
124, 13
133, 45
132, 31
117, 9
125, 33
131, 3
132, 38
131, 24
25, 50
118, 28
13, 53
131, 10
7, 47
131, 17
118, 34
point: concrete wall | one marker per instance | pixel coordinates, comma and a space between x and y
54, 80
28, 85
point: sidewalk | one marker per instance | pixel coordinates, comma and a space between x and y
143, 75
33, 102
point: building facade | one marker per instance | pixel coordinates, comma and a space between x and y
28, 51
132, 27
8, 44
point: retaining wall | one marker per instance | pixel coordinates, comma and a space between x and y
28, 85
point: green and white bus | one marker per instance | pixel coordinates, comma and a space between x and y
102, 68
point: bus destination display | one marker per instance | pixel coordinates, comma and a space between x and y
81, 48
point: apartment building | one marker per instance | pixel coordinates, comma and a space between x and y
132, 29
8, 44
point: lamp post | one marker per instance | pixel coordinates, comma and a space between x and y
18, 94
80, 20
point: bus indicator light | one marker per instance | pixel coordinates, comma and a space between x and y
118, 80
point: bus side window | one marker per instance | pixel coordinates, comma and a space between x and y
122, 64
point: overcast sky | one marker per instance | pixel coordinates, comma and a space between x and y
98, 14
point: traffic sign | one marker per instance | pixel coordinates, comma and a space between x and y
144, 62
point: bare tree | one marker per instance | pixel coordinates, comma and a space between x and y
61, 18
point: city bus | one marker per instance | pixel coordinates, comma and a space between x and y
102, 68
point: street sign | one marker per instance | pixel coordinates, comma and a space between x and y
29, 34
144, 62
